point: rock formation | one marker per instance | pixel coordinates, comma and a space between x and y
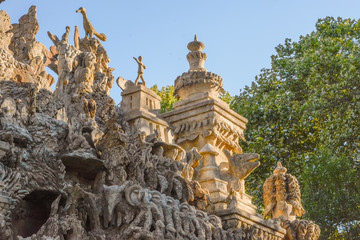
73, 165
23, 59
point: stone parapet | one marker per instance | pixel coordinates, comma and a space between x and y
139, 96
252, 224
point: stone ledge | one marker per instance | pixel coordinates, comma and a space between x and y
208, 105
134, 114
254, 220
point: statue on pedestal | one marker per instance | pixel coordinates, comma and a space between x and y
140, 70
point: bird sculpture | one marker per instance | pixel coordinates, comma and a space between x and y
88, 27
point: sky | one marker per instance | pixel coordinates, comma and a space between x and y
239, 36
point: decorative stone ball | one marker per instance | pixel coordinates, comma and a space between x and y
195, 46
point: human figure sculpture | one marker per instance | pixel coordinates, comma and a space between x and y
88, 27
140, 70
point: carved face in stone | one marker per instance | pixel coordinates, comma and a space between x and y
187, 209
156, 197
202, 215
310, 230
134, 195
215, 221
8, 107
172, 203
5, 27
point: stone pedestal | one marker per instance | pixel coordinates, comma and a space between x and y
141, 107
202, 120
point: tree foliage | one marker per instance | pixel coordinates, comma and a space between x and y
167, 97
304, 112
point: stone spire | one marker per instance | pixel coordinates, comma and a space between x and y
197, 79
195, 57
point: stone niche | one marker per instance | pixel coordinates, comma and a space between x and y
32, 212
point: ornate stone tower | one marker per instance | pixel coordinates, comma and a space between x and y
201, 119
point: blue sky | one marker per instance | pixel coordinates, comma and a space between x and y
240, 36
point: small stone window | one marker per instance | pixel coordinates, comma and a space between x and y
151, 128
158, 130
166, 135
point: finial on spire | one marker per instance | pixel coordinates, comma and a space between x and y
196, 46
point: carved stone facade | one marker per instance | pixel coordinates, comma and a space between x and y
73, 165
141, 107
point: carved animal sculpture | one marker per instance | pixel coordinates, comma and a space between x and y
88, 27
241, 165
281, 189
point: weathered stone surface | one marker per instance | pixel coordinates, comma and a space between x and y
73, 165
282, 199
22, 58
197, 79
204, 121
84, 163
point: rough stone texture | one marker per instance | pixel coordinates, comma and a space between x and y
75, 166
29, 52
283, 203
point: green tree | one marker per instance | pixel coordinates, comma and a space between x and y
167, 97
304, 112
226, 97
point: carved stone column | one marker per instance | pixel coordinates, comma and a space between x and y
210, 176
